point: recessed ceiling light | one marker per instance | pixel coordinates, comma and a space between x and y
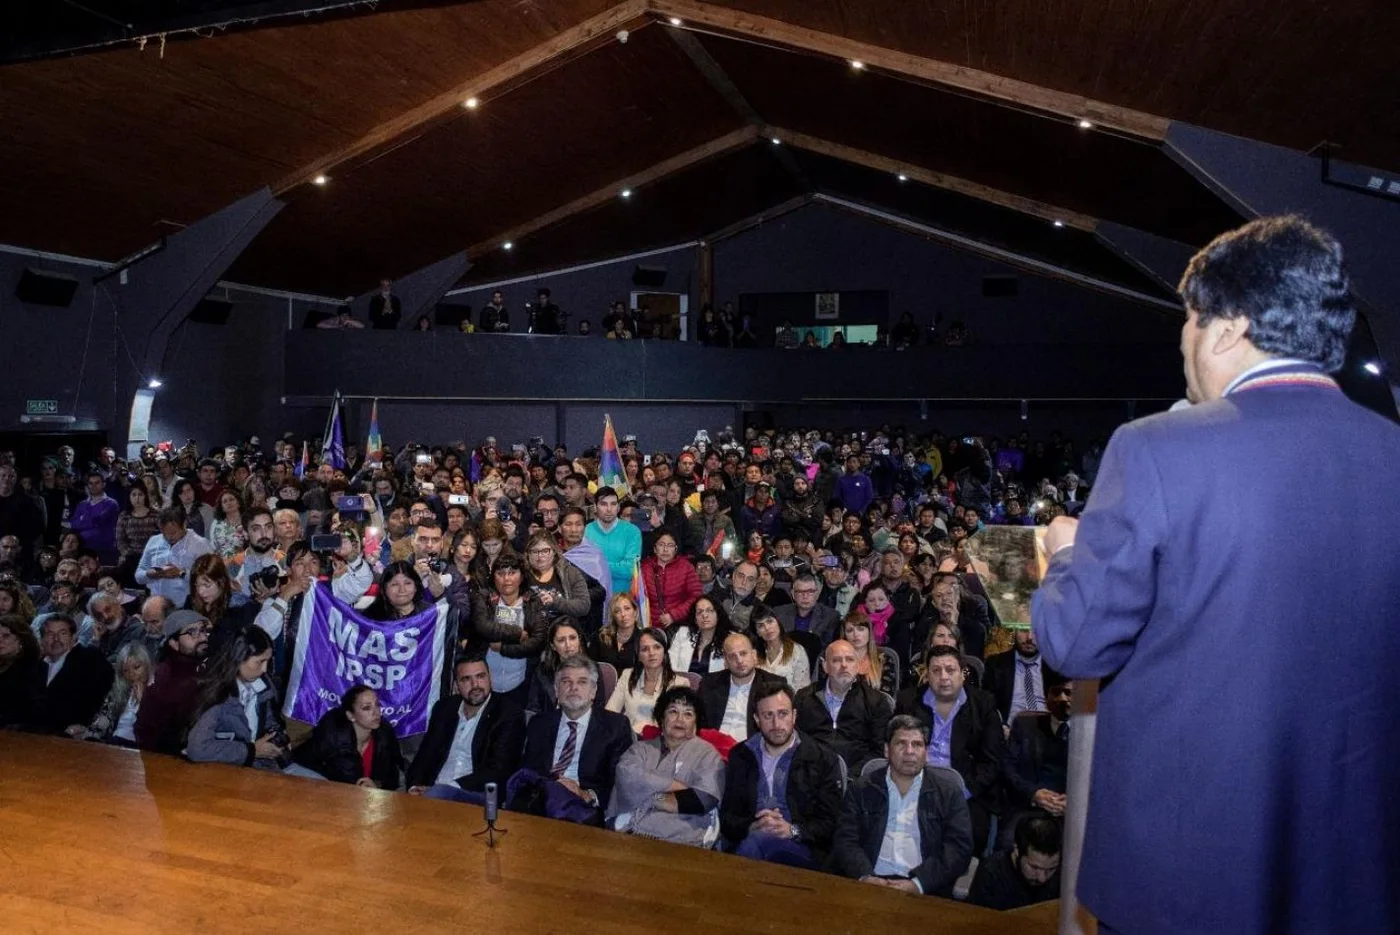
320, 180
626, 193
1059, 223
155, 384
676, 21
1086, 124
776, 141
1373, 368
507, 246
902, 177
471, 103
857, 64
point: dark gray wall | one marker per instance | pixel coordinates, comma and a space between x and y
821, 249
587, 293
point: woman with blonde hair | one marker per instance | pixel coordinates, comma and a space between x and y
116, 722
870, 662
616, 642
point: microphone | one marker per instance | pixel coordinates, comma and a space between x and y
490, 803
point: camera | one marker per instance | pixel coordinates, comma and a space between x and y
268, 577
328, 542
503, 513
437, 565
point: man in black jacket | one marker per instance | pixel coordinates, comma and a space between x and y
578, 745
1014, 678
474, 737
1037, 758
962, 730
782, 789
69, 683
1028, 873
730, 697
907, 825
843, 711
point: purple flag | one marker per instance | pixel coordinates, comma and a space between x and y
338, 648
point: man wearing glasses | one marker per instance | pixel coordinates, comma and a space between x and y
169, 705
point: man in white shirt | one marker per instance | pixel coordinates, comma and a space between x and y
729, 700
905, 826
473, 738
167, 559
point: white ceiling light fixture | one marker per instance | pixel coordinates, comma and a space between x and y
155, 383
320, 180
902, 177
626, 193
1085, 124
775, 141
471, 103
1059, 223
676, 21
857, 65
507, 246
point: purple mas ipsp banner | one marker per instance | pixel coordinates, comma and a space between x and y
338, 647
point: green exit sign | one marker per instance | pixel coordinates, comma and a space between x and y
41, 407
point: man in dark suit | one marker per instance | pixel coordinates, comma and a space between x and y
730, 697
474, 737
578, 745
907, 825
1028, 873
808, 615
1037, 758
963, 731
786, 814
843, 711
69, 682
1014, 678
1241, 799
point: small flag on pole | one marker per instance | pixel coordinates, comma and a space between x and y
374, 446
610, 473
639, 597
305, 463
333, 448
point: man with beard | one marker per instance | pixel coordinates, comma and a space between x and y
843, 710
169, 706
1014, 678
474, 737
802, 512
782, 790
259, 554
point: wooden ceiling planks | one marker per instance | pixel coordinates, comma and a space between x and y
120, 140
1291, 73
616, 112
1100, 175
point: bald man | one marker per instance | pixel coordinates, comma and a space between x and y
843, 710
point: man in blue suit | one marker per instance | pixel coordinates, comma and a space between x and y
1245, 778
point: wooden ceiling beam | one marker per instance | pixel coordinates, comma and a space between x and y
936, 179
703, 16
630, 15
728, 143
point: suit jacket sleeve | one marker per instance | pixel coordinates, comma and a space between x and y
618, 740
819, 824
880, 713
848, 856
950, 858
990, 741
1021, 765
501, 755
98, 676
432, 752
736, 808
1097, 596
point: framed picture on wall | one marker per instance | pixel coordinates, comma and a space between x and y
828, 306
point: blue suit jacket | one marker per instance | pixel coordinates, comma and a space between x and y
1245, 774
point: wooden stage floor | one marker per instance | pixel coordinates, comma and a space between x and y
98, 839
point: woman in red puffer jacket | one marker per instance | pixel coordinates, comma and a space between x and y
670, 581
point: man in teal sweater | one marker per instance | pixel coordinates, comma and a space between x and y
620, 543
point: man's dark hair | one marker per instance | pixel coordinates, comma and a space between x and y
171, 516
604, 492
64, 586
427, 522
208, 462
572, 511
65, 618
254, 513
468, 657
547, 496
1040, 834
709, 494
769, 689
938, 652
906, 721
516, 471
93, 473
579, 478
1287, 278
704, 559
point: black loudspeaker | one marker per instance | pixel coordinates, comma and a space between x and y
37, 288
211, 312
1000, 287
650, 277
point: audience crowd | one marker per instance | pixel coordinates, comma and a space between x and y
813, 675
